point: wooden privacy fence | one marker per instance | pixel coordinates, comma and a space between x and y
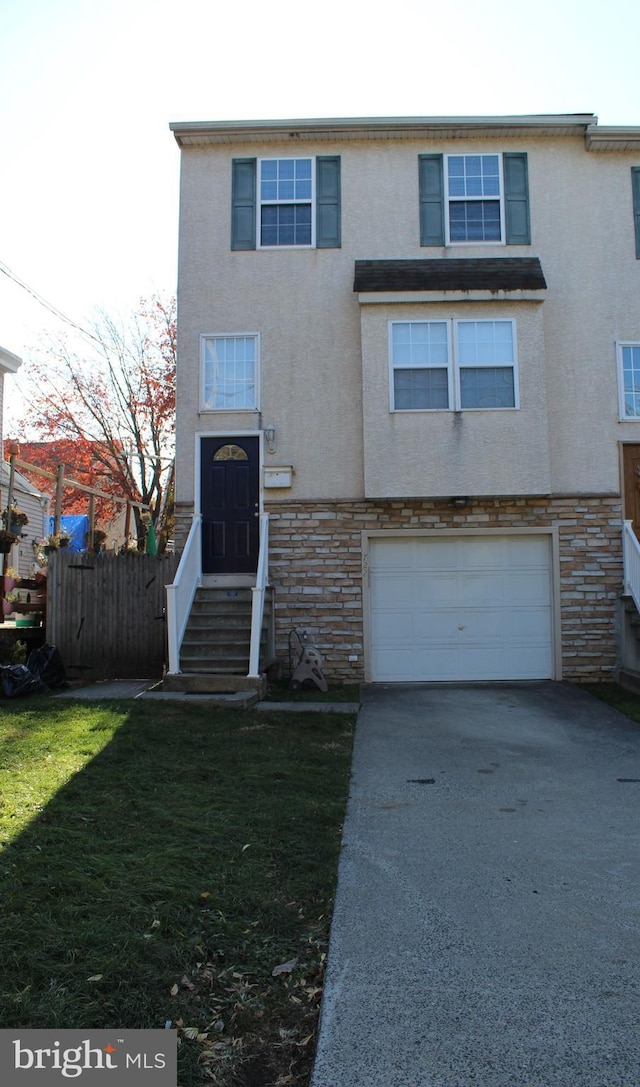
106, 613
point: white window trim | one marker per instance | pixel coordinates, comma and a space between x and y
624, 418
450, 381
260, 202
462, 200
203, 408
453, 367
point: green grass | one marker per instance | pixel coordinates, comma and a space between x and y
625, 701
158, 863
282, 692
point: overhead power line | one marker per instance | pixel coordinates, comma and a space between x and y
43, 302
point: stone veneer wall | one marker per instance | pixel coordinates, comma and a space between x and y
315, 567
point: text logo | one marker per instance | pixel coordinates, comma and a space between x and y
128, 1057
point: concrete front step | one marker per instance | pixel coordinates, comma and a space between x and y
217, 636
204, 683
219, 700
200, 666
214, 655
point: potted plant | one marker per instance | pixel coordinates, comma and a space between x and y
99, 539
27, 620
9, 602
55, 542
15, 519
11, 578
7, 540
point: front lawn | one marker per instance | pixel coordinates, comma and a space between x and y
159, 863
627, 702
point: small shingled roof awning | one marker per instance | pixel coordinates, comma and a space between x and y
474, 274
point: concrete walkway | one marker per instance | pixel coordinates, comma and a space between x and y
151, 689
486, 926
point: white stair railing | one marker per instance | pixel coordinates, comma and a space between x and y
181, 593
257, 598
631, 561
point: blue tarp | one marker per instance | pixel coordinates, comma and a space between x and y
77, 526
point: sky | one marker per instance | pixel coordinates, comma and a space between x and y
90, 171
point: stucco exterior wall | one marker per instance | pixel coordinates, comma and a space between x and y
455, 453
301, 302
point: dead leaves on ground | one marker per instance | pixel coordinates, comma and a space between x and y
285, 967
252, 1017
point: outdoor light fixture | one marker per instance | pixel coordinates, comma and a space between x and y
270, 438
459, 501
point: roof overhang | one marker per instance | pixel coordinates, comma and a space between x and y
479, 279
613, 139
206, 133
9, 363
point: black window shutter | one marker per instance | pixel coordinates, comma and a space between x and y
431, 182
516, 198
243, 204
328, 202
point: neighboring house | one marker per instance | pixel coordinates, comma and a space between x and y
26, 497
9, 364
36, 506
415, 345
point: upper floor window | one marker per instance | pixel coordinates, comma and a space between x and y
453, 365
474, 191
629, 380
286, 203
229, 373
474, 199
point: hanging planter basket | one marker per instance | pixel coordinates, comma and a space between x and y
7, 540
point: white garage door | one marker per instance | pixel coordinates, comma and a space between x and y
460, 608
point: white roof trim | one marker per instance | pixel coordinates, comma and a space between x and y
613, 139
390, 298
199, 133
8, 361
21, 481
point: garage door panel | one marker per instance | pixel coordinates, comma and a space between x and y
532, 662
530, 625
527, 587
432, 626
393, 591
430, 591
395, 665
389, 627
467, 607
476, 589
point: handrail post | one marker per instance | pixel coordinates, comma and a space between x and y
257, 598
625, 556
631, 563
181, 593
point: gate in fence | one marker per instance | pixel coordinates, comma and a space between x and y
106, 613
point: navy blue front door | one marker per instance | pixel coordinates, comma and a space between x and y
230, 500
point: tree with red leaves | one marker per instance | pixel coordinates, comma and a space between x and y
105, 407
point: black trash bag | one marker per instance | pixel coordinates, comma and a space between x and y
46, 663
17, 680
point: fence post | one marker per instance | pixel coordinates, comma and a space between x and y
58, 505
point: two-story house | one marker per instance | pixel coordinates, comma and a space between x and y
409, 368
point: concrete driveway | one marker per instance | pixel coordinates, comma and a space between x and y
487, 921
